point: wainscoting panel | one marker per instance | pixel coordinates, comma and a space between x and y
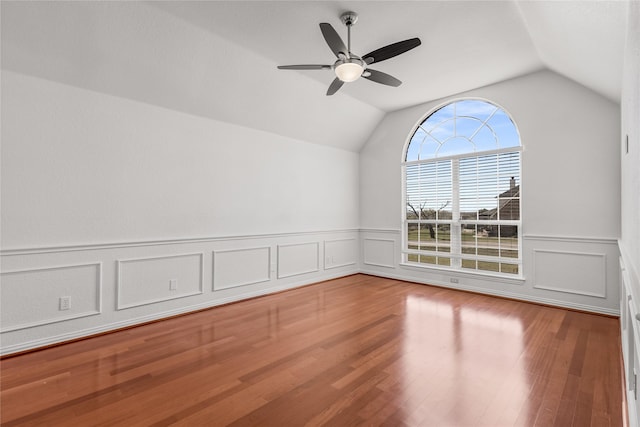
630, 331
240, 267
340, 253
567, 271
298, 258
115, 285
571, 272
81, 284
379, 252
144, 281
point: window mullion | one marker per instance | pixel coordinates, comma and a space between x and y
455, 230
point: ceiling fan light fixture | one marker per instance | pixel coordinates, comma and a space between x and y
349, 70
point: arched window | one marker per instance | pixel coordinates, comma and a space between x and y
462, 190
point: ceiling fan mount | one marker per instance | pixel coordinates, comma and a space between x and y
350, 67
349, 18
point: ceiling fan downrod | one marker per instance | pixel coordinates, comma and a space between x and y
349, 19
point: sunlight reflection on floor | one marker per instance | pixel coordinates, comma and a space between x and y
459, 357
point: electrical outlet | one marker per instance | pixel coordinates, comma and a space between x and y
453, 280
64, 303
173, 284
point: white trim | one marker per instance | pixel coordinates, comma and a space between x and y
213, 273
120, 262
97, 284
464, 155
346, 264
464, 221
603, 279
571, 239
629, 273
381, 230
348, 239
484, 258
186, 240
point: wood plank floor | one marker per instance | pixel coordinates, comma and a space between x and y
359, 350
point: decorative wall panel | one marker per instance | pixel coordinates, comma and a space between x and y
144, 281
572, 272
298, 258
340, 253
380, 252
31, 297
239, 267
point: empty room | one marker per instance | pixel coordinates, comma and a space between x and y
288, 213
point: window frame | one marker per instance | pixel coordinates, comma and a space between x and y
405, 251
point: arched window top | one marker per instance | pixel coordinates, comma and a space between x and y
463, 127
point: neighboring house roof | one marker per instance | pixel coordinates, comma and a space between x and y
508, 203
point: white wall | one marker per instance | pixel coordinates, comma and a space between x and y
137, 50
570, 187
630, 160
80, 167
107, 200
630, 218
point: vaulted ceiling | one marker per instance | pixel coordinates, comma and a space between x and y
218, 59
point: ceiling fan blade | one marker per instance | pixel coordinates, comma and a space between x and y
391, 50
333, 39
334, 86
380, 77
304, 67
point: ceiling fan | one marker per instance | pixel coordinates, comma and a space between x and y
350, 67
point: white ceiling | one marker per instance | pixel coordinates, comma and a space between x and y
218, 59
466, 44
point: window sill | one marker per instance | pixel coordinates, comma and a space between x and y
509, 279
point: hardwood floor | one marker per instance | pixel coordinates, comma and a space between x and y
359, 350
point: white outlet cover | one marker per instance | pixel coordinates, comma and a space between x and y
64, 303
